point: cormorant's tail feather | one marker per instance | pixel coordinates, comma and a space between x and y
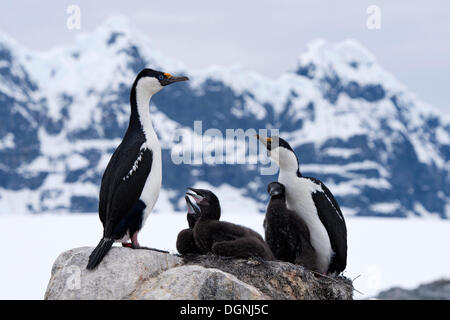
99, 252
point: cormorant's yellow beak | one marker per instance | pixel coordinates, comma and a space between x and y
264, 140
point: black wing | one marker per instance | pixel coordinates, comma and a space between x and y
332, 218
123, 182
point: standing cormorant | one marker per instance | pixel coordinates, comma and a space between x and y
132, 180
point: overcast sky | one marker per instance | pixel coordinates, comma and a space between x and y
266, 36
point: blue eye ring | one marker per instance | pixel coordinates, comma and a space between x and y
161, 77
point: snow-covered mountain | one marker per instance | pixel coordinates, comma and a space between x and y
380, 149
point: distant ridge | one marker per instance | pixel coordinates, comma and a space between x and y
380, 149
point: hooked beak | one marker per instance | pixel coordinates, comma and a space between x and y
264, 140
193, 208
267, 142
171, 79
197, 195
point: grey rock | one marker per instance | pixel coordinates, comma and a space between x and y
436, 290
117, 277
196, 283
144, 274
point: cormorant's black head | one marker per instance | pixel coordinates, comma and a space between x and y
281, 152
163, 78
152, 81
274, 142
276, 190
207, 202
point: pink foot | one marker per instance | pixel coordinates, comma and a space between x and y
135, 244
134, 241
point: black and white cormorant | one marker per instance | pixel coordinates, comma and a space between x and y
185, 239
224, 238
132, 180
314, 202
285, 231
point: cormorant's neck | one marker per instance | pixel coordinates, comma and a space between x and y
205, 219
211, 215
288, 162
192, 219
134, 117
290, 168
280, 197
140, 111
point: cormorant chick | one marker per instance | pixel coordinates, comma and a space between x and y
285, 231
185, 240
224, 238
